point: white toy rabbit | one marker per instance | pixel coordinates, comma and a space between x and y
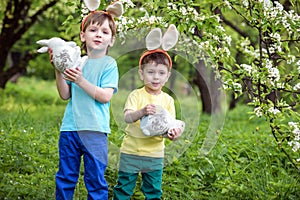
160, 123
64, 54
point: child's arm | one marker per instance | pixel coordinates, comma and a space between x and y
102, 95
131, 116
62, 87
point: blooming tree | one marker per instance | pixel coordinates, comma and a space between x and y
270, 69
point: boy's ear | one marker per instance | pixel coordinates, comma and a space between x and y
82, 38
113, 39
141, 74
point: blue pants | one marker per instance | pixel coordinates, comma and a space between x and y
129, 168
93, 147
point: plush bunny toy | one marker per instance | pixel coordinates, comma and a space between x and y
160, 123
66, 54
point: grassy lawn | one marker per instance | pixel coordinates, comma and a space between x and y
245, 163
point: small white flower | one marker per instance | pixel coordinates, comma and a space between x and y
274, 110
245, 3
274, 73
297, 87
258, 111
247, 68
290, 59
228, 4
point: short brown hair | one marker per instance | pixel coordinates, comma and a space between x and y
98, 17
157, 58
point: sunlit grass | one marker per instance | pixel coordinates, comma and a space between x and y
244, 164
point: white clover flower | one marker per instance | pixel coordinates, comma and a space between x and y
258, 111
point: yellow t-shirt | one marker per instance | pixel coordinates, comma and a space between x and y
135, 142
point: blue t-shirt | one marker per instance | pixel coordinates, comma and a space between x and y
83, 112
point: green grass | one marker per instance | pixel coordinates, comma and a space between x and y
244, 164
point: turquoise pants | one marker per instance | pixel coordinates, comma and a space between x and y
130, 166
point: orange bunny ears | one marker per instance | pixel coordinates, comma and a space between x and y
155, 39
115, 9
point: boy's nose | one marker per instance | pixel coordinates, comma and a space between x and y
156, 75
99, 34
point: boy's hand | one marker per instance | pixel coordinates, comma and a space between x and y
73, 75
50, 55
174, 133
149, 109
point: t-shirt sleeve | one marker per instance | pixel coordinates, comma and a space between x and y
131, 102
110, 77
171, 107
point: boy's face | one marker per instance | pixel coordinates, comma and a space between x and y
154, 76
97, 38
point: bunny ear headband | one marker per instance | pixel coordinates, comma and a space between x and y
155, 39
115, 9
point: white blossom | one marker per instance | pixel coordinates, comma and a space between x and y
274, 73
245, 3
297, 87
291, 59
258, 111
247, 68
273, 110
228, 4
228, 39
127, 3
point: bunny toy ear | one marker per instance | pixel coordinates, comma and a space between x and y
153, 39
170, 38
115, 9
92, 5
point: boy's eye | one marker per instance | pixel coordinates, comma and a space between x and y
92, 29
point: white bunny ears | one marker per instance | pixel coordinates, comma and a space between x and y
115, 9
155, 39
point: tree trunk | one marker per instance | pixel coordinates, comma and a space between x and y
209, 88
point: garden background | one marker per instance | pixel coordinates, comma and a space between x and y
235, 82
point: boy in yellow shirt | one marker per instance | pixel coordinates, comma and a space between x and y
140, 153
